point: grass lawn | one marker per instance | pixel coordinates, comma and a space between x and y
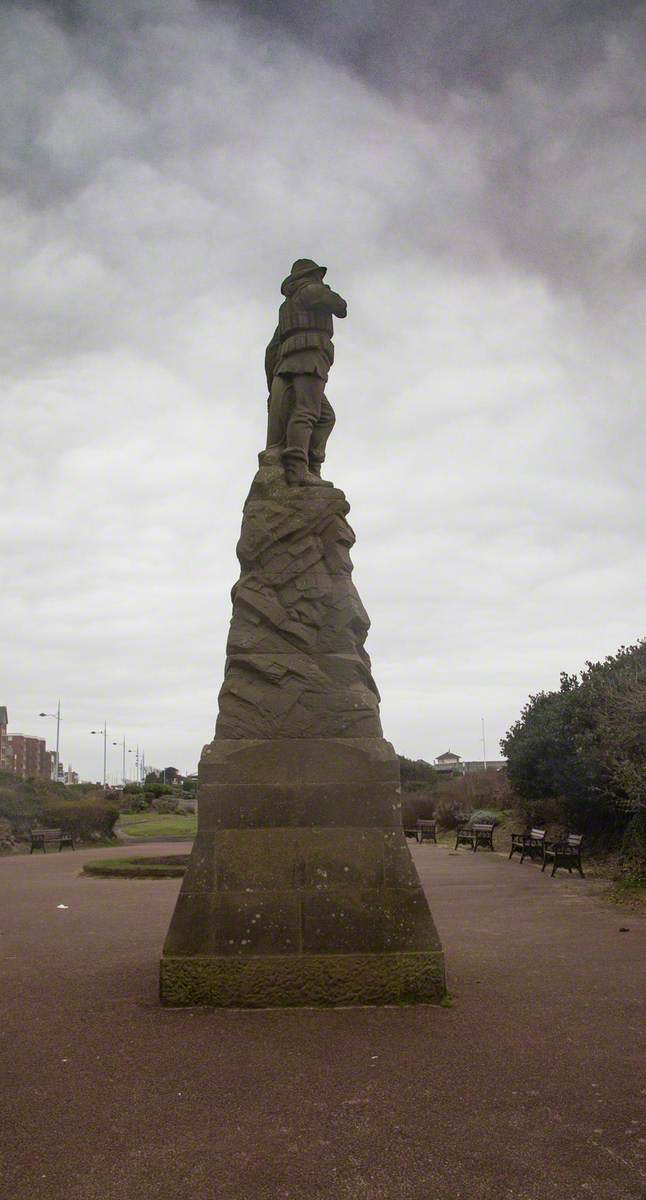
158, 825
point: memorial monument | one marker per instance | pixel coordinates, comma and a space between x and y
300, 889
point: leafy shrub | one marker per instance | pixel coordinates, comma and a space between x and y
417, 804
449, 810
416, 771
19, 810
632, 856
27, 803
485, 816
86, 817
6, 835
155, 790
133, 803
584, 746
165, 804
477, 791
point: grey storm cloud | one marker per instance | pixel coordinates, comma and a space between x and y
473, 176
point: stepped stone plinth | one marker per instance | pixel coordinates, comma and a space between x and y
301, 889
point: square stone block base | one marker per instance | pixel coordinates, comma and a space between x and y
300, 889
277, 981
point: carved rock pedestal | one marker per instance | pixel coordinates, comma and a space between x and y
300, 888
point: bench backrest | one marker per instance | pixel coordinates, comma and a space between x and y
574, 840
538, 834
49, 835
422, 824
483, 827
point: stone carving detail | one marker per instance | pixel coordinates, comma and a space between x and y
296, 664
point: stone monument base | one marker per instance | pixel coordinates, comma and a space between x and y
317, 980
301, 891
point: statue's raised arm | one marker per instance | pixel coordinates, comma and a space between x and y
297, 364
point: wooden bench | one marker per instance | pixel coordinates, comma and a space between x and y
566, 853
528, 845
426, 830
42, 838
478, 834
462, 833
422, 831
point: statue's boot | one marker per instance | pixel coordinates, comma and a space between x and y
315, 469
300, 476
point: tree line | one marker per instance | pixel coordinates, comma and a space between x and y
579, 752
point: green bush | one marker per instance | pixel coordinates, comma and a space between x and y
485, 816
417, 805
165, 805
133, 803
28, 803
21, 812
85, 818
6, 835
415, 771
449, 810
478, 791
155, 790
632, 855
583, 747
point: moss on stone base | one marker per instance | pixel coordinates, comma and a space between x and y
278, 981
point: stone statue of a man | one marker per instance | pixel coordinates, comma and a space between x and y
297, 364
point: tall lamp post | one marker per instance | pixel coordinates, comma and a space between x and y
104, 734
56, 717
126, 750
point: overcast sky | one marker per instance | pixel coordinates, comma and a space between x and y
472, 173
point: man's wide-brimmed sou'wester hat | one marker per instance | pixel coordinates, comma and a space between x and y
302, 266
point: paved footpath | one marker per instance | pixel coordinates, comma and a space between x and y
528, 1088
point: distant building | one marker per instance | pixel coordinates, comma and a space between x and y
28, 757
23, 755
450, 763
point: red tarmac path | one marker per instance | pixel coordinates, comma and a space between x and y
528, 1089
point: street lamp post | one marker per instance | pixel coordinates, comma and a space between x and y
56, 717
104, 734
125, 750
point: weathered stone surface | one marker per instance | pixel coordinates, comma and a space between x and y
296, 762
296, 664
275, 981
300, 888
246, 806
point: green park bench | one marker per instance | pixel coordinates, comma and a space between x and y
42, 838
426, 830
422, 830
528, 845
566, 853
478, 834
